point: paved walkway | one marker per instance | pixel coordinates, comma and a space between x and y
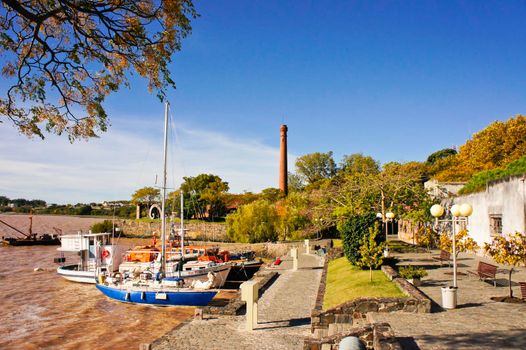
477, 323
283, 322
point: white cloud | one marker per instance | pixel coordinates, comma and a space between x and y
118, 163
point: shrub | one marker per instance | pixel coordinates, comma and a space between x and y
253, 222
479, 181
409, 272
352, 233
100, 227
371, 253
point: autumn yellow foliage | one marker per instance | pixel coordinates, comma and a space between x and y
494, 147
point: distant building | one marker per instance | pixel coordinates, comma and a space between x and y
443, 189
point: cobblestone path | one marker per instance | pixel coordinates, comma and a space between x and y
283, 320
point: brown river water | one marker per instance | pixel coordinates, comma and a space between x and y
40, 310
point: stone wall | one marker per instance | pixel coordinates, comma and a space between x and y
376, 336
235, 304
415, 302
196, 230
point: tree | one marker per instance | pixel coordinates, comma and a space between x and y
463, 242
78, 52
316, 166
146, 195
254, 222
358, 163
353, 232
371, 253
4, 200
295, 182
271, 194
443, 153
508, 250
204, 196
493, 147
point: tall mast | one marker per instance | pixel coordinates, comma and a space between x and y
163, 198
181, 234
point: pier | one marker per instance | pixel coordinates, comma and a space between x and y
283, 319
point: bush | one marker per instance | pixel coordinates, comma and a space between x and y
352, 233
253, 222
409, 272
100, 227
480, 180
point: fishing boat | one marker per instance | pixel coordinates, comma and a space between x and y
29, 239
245, 265
147, 287
97, 254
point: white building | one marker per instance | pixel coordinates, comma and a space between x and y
500, 209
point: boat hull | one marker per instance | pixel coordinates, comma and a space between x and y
243, 272
71, 273
172, 298
30, 242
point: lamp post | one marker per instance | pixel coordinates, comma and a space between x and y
388, 217
460, 214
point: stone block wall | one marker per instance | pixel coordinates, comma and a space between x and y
236, 304
416, 302
196, 230
376, 336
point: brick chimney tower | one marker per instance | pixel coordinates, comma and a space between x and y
283, 185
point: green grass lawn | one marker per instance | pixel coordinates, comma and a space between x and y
346, 282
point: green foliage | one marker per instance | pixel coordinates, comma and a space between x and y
358, 163
409, 272
295, 182
146, 195
271, 194
292, 216
371, 253
253, 222
443, 153
479, 181
84, 210
316, 166
205, 196
352, 232
101, 227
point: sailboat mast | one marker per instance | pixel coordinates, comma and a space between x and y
182, 226
163, 198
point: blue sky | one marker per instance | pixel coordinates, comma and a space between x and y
394, 80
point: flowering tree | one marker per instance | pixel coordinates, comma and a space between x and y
370, 251
508, 250
464, 243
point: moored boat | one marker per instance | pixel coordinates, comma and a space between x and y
96, 253
147, 287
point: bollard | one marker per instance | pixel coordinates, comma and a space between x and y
294, 255
250, 294
145, 346
307, 246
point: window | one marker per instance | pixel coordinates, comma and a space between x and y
495, 223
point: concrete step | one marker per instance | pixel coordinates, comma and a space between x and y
337, 328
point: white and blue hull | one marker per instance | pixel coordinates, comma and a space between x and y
72, 273
179, 297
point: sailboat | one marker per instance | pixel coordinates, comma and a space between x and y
156, 288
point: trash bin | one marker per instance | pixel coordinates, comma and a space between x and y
449, 297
